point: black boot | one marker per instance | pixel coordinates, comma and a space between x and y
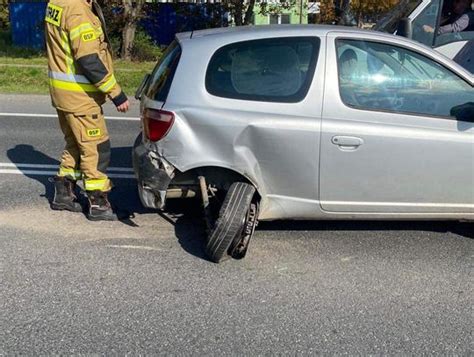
99, 207
64, 197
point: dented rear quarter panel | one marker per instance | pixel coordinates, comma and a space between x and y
274, 145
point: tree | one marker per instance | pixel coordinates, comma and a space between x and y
275, 8
132, 13
4, 17
351, 12
123, 17
327, 13
344, 13
240, 10
371, 7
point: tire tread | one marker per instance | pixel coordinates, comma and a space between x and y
229, 223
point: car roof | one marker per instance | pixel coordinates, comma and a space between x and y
217, 37
263, 30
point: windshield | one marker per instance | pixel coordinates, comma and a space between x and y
404, 8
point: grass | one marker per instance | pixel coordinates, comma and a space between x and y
24, 71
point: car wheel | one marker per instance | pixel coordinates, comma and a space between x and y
231, 221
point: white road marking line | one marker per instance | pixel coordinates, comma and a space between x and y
28, 172
30, 115
53, 173
134, 247
121, 169
35, 166
41, 166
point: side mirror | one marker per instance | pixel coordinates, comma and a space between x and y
464, 112
142, 86
405, 28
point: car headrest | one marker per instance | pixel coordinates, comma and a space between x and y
271, 71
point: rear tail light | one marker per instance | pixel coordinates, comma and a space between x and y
157, 123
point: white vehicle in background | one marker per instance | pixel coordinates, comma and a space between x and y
409, 17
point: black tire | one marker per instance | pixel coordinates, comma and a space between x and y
231, 220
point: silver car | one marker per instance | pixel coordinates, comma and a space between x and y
305, 122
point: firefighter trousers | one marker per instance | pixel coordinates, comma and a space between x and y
87, 152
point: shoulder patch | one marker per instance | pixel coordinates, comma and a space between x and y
53, 14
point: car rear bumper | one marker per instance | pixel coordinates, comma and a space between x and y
154, 175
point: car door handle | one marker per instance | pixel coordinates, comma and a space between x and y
347, 142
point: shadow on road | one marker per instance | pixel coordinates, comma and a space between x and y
463, 229
189, 227
26, 154
124, 195
186, 217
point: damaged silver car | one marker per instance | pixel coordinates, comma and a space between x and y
305, 122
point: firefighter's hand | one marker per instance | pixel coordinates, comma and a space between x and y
124, 107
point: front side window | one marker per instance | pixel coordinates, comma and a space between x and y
456, 22
424, 25
377, 76
273, 70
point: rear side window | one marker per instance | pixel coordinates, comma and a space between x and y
268, 70
163, 73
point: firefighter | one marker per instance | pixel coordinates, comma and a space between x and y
81, 77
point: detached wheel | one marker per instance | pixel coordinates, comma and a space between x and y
232, 221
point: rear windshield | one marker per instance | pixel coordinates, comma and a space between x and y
163, 73
269, 70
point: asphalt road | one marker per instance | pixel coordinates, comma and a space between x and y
144, 286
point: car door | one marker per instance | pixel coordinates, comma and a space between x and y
390, 139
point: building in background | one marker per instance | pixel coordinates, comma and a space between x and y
276, 12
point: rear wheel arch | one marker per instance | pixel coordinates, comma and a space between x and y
219, 176
231, 214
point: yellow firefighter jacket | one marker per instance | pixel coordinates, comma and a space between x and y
81, 73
